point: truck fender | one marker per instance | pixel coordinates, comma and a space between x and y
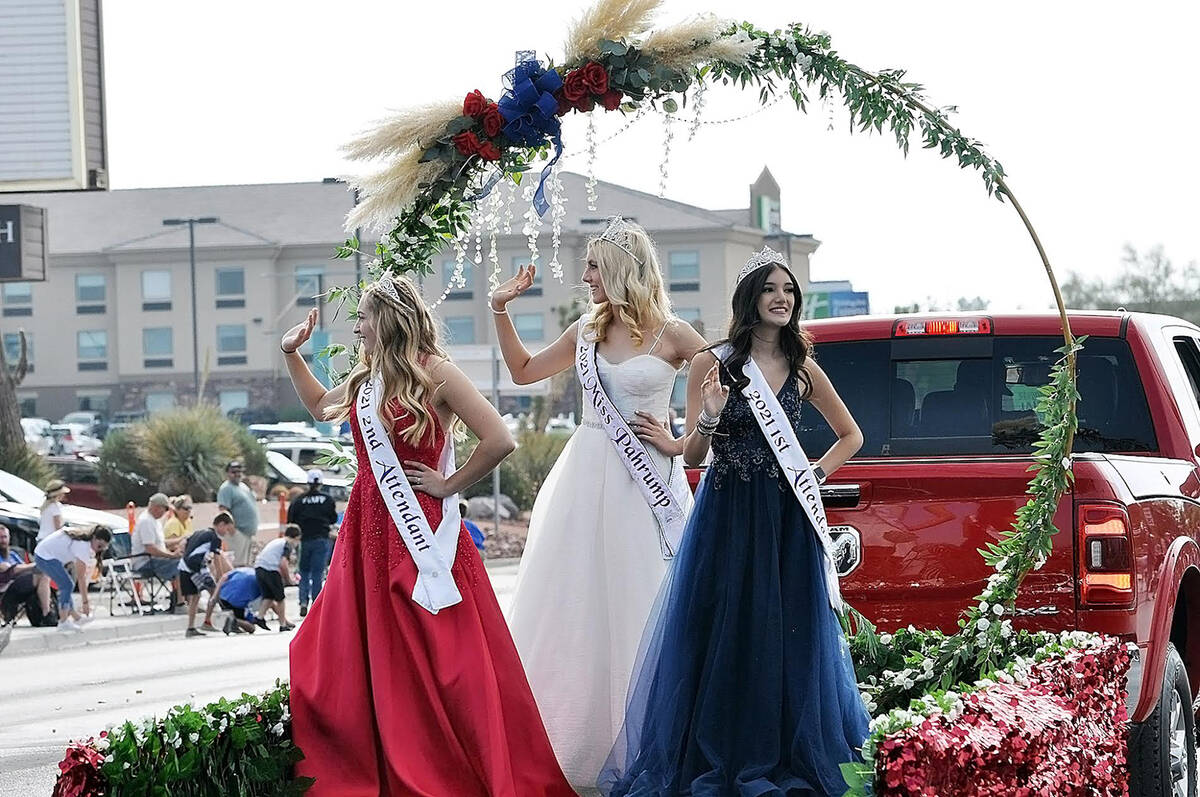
1183, 555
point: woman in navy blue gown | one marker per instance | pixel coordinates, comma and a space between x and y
744, 685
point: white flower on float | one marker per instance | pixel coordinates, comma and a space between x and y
983, 624
998, 610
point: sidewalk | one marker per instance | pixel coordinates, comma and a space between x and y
28, 641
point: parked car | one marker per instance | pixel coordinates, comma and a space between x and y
16, 490
37, 434
947, 407
271, 431
284, 474
126, 418
306, 452
72, 438
92, 421
560, 425
82, 474
249, 415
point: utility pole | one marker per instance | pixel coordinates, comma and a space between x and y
191, 223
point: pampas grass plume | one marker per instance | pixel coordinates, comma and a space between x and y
388, 192
414, 127
608, 19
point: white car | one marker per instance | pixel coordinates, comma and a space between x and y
73, 438
282, 472
305, 453
18, 491
37, 434
271, 431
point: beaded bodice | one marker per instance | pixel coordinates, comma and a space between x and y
739, 447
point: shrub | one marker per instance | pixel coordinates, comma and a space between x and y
186, 450
26, 463
123, 475
522, 472
252, 453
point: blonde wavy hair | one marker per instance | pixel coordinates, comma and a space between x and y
405, 337
636, 292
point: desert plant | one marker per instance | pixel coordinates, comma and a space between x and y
252, 453
522, 473
186, 450
123, 470
21, 460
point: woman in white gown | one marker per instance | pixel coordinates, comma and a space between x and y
599, 538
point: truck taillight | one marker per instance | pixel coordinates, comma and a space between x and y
925, 327
1105, 555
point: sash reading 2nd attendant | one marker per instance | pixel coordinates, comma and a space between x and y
776, 427
432, 552
633, 454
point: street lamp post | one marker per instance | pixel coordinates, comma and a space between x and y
191, 223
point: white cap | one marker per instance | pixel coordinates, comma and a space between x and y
315, 476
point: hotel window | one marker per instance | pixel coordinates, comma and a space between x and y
536, 288
156, 290
530, 326
97, 402
684, 271
466, 289
158, 347
231, 287
12, 349
91, 346
231, 344
233, 400
28, 402
91, 293
309, 281
159, 402
461, 329
18, 298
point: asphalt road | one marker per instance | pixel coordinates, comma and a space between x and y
52, 698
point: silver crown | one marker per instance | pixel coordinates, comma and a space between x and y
389, 286
619, 234
766, 257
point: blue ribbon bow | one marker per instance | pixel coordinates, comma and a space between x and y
529, 109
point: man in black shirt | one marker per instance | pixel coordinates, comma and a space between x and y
315, 513
201, 565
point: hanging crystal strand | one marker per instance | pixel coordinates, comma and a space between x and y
698, 105
591, 161
458, 278
495, 211
533, 224
558, 211
665, 167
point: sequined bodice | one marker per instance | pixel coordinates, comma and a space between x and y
739, 447
643, 382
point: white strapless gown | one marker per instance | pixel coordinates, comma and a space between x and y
590, 573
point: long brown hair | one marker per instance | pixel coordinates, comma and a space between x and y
795, 342
406, 338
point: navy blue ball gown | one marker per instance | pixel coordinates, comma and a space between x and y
744, 685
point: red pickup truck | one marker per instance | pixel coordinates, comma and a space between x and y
946, 406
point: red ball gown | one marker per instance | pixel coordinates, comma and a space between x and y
389, 699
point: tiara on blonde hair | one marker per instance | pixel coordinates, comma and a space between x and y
388, 285
766, 257
619, 234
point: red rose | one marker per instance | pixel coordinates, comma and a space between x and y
488, 151
595, 78
492, 120
474, 104
564, 105
574, 88
586, 104
611, 100
466, 143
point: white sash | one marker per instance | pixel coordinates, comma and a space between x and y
785, 445
637, 460
433, 553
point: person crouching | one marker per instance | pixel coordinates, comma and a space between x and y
271, 570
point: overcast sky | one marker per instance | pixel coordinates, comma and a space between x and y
1090, 107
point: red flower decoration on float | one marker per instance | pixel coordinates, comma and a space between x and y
574, 86
79, 772
492, 120
488, 151
611, 99
595, 77
475, 103
466, 143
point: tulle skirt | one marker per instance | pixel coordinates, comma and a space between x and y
744, 684
589, 576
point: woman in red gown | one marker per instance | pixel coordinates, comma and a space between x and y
388, 698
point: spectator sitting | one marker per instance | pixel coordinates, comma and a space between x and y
271, 569
472, 529
178, 525
18, 580
202, 564
235, 592
52, 519
314, 512
79, 550
236, 498
149, 553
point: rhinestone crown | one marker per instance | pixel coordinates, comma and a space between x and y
619, 233
766, 257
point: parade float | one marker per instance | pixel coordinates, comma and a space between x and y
988, 710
